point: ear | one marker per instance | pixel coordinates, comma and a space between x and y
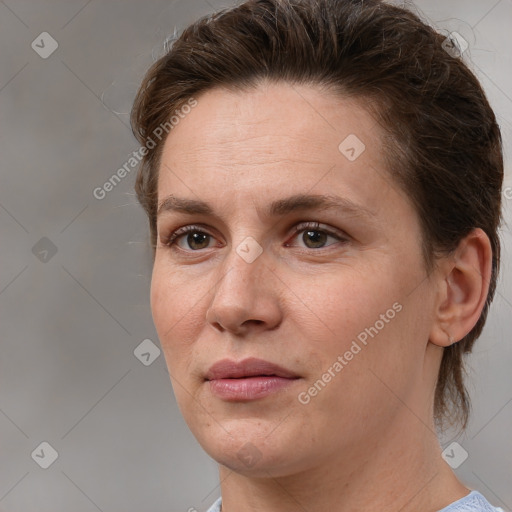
463, 286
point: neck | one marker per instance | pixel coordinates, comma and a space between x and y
401, 469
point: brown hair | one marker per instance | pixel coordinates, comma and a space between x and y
442, 142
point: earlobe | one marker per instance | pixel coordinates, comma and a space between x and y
464, 284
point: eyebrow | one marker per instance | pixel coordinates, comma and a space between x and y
281, 207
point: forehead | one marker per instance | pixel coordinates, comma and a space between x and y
273, 120
252, 146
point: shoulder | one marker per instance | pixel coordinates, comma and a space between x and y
216, 506
473, 502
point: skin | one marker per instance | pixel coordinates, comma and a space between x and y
366, 441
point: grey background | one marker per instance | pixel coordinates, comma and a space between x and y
70, 322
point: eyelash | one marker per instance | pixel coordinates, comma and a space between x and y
316, 226
170, 241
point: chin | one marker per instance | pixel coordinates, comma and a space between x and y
251, 451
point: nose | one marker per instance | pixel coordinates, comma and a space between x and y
245, 297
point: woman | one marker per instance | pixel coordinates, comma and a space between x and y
322, 181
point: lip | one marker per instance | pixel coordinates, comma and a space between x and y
251, 367
249, 379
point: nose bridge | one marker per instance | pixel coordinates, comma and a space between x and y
246, 256
241, 293
244, 268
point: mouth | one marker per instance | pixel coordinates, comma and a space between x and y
247, 368
249, 379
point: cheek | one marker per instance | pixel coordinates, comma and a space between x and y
170, 302
175, 315
366, 318
344, 303
161, 299
327, 313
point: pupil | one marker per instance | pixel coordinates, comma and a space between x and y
317, 238
198, 239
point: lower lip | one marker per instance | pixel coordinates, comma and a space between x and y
249, 388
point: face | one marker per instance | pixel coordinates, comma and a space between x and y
289, 244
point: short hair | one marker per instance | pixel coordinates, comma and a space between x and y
441, 141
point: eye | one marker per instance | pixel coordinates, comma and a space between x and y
194, 238
189, 238
315, 237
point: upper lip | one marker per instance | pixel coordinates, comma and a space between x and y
251, 367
